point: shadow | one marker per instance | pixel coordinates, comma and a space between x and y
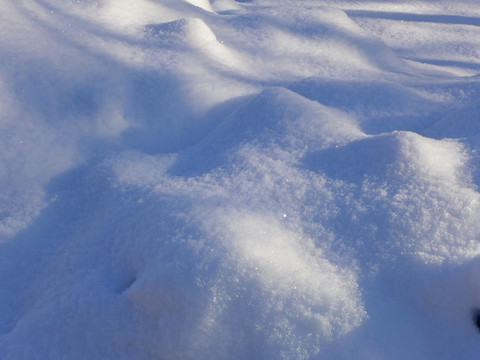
234, 127
452, 63
431, 307
74, 242
357, 160
374, 50
58, 16
152, 101
379, 106
167, 126
400, 16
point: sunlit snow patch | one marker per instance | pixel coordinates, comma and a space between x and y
204, 4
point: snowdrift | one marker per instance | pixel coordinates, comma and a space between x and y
239, 179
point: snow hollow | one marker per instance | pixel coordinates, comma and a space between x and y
220, 179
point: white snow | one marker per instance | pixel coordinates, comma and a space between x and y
255, 179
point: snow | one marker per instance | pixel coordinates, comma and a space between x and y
261, 179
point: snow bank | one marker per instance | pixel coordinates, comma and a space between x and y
238, 180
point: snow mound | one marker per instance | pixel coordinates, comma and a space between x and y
404, 154
239, 180
284, 120
193, 32
436, 222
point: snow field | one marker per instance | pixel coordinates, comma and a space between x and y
238, 180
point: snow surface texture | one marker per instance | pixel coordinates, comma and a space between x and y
255, 179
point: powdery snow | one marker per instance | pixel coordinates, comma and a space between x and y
261, 179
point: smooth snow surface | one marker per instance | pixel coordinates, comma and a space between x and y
255, 179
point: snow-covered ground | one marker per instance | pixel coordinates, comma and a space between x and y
255, 179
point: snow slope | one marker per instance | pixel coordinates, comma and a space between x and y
256, 179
